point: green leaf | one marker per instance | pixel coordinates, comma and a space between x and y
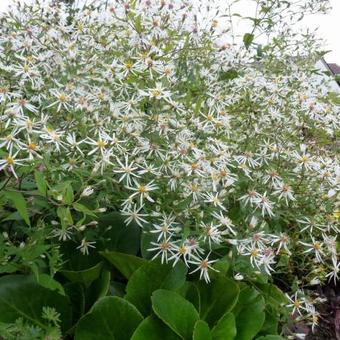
201, 331
149, 277
273, 294
98, 288
125, 263
79, 267
225, 329
76, 292
271, 323
152, 328
179, 314
65, 216
247, 296
248, 39
217, 298
192, 294
20, 204
22, 297
82, 208
68, 195
49, 282
116, 236
85, 276
250, 319
222, 265
40, 182
146, 239
111, 318
270, 337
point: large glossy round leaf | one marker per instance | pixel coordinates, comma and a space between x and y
78, 267
22, 297
127, 264
150, 277
201, 331
153, 328
111, 318
117, 236
250, 319
217, 298
98, 288
85, 276
225, 329
179, 314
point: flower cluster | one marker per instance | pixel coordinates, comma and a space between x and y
205, 145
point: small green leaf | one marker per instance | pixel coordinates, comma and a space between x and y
201, 331
179, 314
248, 39
111, 318
125, 263
152, 328
40, 182
65, 216
20, 204
81, 208
68, 195
49, 282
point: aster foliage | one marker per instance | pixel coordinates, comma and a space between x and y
212, 144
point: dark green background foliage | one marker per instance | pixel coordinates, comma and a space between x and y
116, 294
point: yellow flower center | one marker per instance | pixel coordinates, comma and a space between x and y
31, 146
62, 98
254, 253
10, 160
297, 304
142, 189
156, 93
317, 246
101, 144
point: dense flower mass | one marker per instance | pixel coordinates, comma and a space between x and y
206, 144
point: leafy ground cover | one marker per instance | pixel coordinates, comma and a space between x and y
162, 175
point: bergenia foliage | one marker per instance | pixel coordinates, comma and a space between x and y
212, 141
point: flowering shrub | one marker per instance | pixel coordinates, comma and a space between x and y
154, 110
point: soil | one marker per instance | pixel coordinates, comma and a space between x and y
329, 324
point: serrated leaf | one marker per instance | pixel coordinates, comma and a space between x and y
20, 204
40, 182
82, 208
